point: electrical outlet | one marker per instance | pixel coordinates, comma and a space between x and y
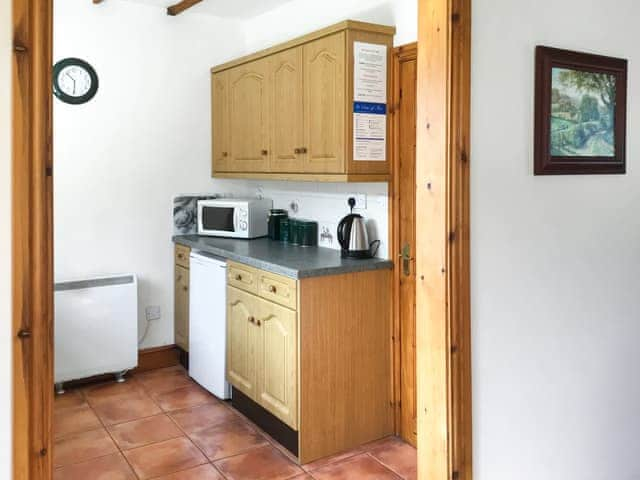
361, 200
153, 312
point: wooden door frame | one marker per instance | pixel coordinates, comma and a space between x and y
442, 250
443, 313
32, 239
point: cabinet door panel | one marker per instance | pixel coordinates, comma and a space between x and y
325, 104
220, 121
242, 338
249, 117
181, 307
287, 133
278, 350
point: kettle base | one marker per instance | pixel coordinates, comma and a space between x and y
357, 254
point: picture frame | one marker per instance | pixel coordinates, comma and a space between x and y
580, 113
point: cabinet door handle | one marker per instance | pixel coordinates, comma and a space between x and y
303, 150
297, 150
251, 319
24, 333
238, 277
225, 154
180, 256
185, 288
265, 152
259, 323
272, 288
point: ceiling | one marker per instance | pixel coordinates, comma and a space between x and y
241, 9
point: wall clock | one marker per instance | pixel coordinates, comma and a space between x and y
74, 81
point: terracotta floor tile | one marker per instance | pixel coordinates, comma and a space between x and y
203, 416
171, 380
79, 447
139, 433
338, 457
362, 467
398, 456
68, 400
74, 419
107, 390
124, 407
262, 463
304, 476
110, 467
228, 439
164, 458
203, 472
184, 397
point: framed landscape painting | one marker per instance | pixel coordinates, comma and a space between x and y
580, 113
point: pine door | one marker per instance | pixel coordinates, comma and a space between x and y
278, 350
242, 338
220, 121
249, 117
325, 104
181, 307
287, 125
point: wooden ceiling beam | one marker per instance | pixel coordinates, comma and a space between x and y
180, 7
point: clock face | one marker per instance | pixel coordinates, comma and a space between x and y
74, 81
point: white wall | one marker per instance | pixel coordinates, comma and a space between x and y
5, 241
555, 290
121, 157
299, 17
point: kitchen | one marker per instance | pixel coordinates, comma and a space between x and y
269, 222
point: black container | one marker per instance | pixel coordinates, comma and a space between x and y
294, 231
285, 229
307, 233
275, 221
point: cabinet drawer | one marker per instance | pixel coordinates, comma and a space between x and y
182, 255
278, 289
242, 277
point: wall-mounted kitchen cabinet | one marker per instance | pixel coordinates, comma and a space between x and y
290, 113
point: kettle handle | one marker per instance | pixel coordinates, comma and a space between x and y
342, 235
372, 250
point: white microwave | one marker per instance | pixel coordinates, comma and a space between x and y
234, 217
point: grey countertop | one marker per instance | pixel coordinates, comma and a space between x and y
282, 258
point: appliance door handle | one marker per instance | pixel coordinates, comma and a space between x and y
236, 214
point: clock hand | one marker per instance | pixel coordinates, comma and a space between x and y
74, 83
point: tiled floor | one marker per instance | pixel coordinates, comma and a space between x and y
161, 425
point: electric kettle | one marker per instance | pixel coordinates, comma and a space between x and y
353, 238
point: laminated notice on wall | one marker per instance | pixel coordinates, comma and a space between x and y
369, 131
370, 102
369, 72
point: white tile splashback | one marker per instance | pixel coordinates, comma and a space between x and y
325, 203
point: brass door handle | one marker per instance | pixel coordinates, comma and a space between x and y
259, 323
405, 255
225, 154
251, 319
238, 277
272, 288
265, 152
303, 150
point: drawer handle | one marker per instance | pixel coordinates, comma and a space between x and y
180, 256
259, 323
225, 154
265, 152
185, 288
238, 277
303, 150
252, 319
272, 288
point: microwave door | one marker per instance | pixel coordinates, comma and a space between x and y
218, 219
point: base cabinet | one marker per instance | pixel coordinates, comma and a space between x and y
313, 353
262, 353
181, 298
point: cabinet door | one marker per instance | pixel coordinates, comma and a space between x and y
278, 375
287, 132
220, 121
242, 338
181, 307
325, 104
249, 117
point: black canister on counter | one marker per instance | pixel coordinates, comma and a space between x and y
308, 233
276, 215
284, 229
